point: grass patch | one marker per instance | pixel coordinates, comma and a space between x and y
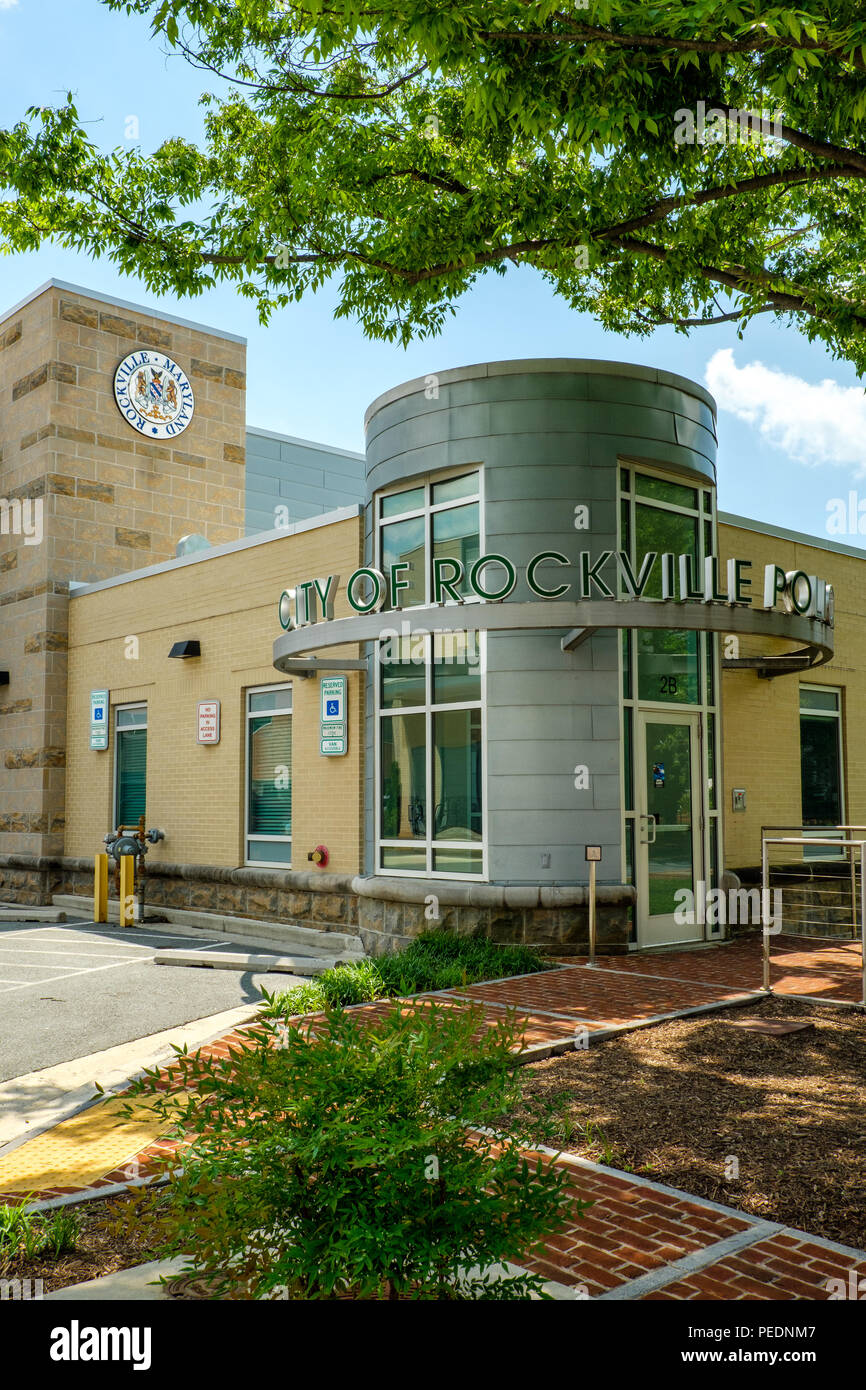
434, 960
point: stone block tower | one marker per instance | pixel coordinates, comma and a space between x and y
84, 495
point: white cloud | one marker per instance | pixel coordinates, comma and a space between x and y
815, 424
8, 4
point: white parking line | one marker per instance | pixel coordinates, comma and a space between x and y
71, 974
97, 955
12, 986
26, 965
92, 939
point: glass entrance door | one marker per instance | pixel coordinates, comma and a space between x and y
669, 828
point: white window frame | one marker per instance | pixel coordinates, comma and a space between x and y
131, 704
426, 512
826, 714
429, 709
257, 714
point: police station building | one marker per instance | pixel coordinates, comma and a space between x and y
369, 693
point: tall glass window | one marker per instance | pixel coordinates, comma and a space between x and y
434, 520
269, 776
430, 764
821, 755
667, 662
130, 763
430, 751
670, 667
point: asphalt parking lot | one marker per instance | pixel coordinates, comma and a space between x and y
70, 989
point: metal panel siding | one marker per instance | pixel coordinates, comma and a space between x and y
260, 447
308, 480
693, 435
548, 438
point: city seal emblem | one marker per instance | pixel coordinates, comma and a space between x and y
153, 395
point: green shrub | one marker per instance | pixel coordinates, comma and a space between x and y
28, 1234
303, 999
61, 1232
435, 960
356, 982
352, 1163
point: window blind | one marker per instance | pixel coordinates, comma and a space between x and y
131, 774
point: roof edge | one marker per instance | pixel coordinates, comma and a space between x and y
100, 298
592, 366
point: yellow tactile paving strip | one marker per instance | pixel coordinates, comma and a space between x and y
79, 1151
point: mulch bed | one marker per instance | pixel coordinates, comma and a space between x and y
99, 1250
674, 1101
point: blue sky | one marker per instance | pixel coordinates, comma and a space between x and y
792, 422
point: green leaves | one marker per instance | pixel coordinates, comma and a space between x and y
410, 150
357, 1160
434, 960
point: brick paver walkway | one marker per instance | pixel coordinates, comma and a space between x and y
640, 1239
823, 968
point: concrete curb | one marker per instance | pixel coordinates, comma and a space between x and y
66, 1094
15, 913
269, 935
237, 960
133, 1285
539, 1052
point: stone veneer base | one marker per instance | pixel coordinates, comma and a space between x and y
385, 913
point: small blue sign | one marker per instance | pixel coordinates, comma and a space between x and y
332, 708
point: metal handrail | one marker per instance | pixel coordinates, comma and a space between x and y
765, 899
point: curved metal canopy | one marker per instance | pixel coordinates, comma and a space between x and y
579, 619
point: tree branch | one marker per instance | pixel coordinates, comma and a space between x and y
740, 279
586, 33
853, 158
196, 60
781, 178
701, 323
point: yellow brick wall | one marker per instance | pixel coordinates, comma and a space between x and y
196, 792
229, 603
760, 718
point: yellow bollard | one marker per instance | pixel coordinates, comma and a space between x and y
127, 890
100, 887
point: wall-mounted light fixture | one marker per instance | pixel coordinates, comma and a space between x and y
186, 649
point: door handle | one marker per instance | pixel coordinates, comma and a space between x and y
645, 832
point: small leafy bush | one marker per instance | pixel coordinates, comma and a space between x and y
435, 960
355, 1162
356, 982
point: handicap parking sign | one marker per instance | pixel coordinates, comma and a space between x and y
333, 726
99, 706
333, 699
